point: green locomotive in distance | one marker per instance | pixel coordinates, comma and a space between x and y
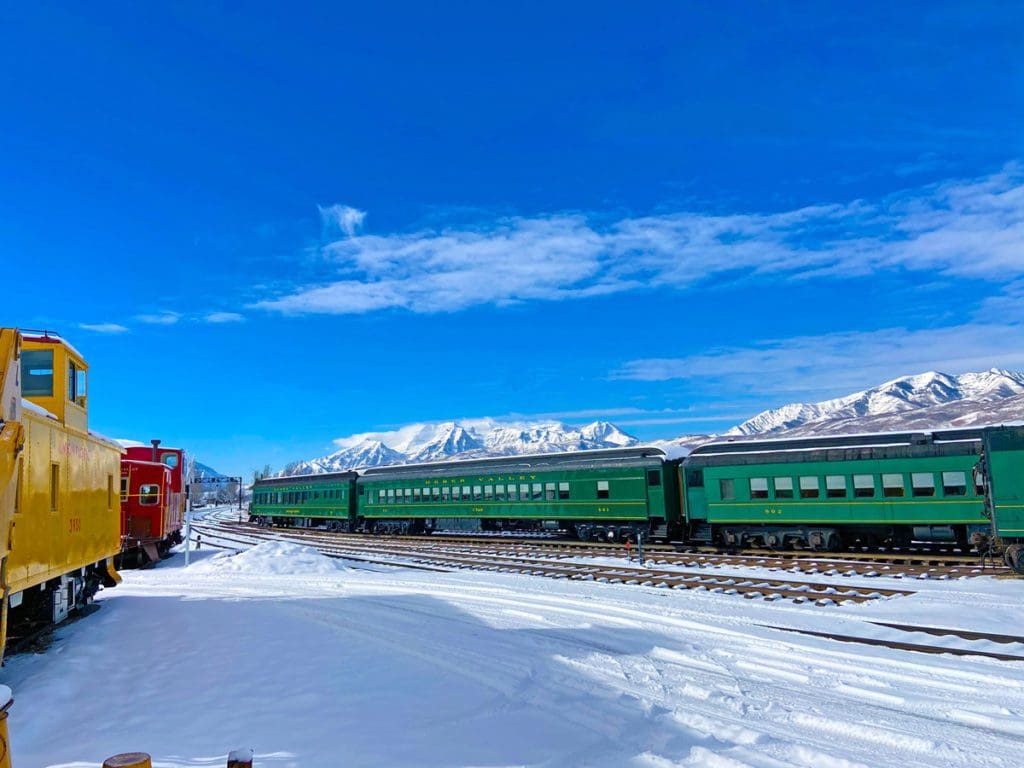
963, 487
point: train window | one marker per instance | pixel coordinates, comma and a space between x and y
602, 489
783, 487
759, 487
653, 477
954, 484
892, 485
435, 492
37, 373
149, 494
863, 486
456, 496
465, 493
512, 492
810, 488
835, 486
563, 491
549, 491
922, 483
446, 494
170, 459
76, 384
524, 492
499, 492
124, 489
426, 494
408, 495
727, 489
416, 495
488, 493
695, 478
478, 492
979, 482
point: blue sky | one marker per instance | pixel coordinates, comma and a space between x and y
270, 226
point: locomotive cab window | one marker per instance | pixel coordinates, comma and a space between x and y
783, 487
835, 486
602, 489
892, 485
863, 486
759, 487
37, 373
149, 494
922, 483
809, 488
76, 384
727, 489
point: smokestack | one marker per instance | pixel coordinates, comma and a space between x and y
155, 444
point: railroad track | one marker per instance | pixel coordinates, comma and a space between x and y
421, 553
849, 564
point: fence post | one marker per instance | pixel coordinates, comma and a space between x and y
129, 760
240, 758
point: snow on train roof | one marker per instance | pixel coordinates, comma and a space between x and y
857, 439
49, 336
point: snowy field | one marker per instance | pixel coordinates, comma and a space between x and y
312, 662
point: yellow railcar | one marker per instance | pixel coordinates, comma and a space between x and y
64, 528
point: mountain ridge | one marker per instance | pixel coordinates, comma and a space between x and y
929, 400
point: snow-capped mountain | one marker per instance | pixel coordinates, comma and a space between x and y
926, 400
369, 453
436, 442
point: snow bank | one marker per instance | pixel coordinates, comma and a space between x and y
279, 558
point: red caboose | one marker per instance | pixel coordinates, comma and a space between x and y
152, 502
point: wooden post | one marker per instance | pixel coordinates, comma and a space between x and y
240, 758
129, 760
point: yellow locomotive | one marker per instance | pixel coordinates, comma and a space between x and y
59, 500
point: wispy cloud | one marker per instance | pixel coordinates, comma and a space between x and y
165, 317
839, 362
223, 317
103, 327
968, 228
341, 218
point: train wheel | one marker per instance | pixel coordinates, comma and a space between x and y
1014, 557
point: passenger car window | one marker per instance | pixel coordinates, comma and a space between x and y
810, 488
892, 485
727, 489
602, 489
954, 483
783, 487
759, 487
922, 483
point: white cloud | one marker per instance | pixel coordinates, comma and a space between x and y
842, 361
165, 317
103, 327
223, 317
341, 218
972, 228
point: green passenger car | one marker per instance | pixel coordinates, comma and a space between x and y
595, 494
305, 501
833, 491
1003, 469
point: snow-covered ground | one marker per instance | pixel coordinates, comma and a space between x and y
312, 662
